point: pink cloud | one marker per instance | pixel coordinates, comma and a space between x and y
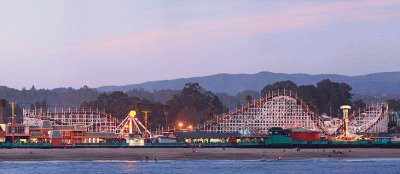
184, 38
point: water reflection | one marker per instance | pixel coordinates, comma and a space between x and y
311, 166
129, 166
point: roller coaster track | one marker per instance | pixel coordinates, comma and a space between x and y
371, 119
93, 120
262, 103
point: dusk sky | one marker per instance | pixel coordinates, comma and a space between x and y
55, 43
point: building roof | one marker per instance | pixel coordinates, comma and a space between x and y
100, 135
69, 127
80, 127
300, 129
35, 135
55, 134
34, 127
63, 127
197, 135
172, 136
135, 136
46, 125
17, 125
381, 135
278, 130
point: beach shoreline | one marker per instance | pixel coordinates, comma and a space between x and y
140, 154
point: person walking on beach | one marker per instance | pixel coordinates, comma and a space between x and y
265, 156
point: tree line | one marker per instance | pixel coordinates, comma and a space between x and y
325, 97
192, 104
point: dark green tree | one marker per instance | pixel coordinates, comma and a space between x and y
326, 97
358, 104
287, 85
118, 104
332, 95
193, 104
394, 105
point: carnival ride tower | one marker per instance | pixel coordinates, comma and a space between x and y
133, 130
346, 109
346, 136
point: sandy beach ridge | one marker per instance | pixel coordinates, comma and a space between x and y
191, 154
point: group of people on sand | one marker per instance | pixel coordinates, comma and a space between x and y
265, 156
147, 159
339, 153
194, 146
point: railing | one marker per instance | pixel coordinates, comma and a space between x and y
101, 144
167, 144
9, 145
62, 110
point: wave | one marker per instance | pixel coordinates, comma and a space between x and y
372, 159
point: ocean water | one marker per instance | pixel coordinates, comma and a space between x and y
309, 166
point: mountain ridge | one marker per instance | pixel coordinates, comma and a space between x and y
369, 84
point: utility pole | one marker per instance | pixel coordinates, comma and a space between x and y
146, 116
12, 121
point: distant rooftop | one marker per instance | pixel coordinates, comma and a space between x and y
197, 135
69, 127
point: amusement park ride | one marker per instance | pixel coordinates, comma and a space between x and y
283, 108
132, 130
346, 136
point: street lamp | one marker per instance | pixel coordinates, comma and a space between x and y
190, 127
180, 126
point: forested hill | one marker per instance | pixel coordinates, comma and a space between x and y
52, 97
231, 89
386, 83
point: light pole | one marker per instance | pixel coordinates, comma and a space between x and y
12, 121
146, 116
180, 126
190, 127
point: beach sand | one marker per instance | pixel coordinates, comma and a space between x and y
188, 154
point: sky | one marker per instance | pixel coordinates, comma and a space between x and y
56, 43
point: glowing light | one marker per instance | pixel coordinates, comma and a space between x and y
346, 109
190, 127
132, 113
180, 124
